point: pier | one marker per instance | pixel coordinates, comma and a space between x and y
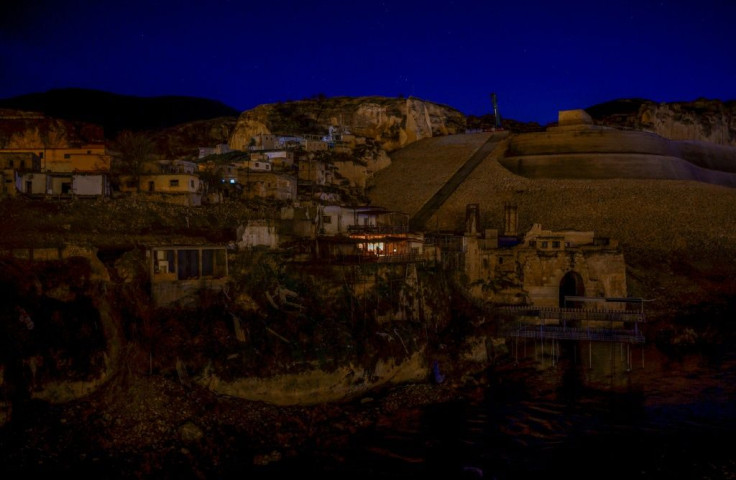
612, 320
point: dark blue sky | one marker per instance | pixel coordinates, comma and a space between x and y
538, 56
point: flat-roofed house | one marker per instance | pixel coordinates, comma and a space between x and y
180, 271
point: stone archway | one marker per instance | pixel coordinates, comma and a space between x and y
571, 284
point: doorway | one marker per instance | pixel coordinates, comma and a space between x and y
571, 285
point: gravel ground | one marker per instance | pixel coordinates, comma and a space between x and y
153, 426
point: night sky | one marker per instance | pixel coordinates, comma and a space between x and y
539, 57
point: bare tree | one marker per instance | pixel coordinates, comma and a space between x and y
134, 150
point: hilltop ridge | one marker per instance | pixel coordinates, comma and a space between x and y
114, 112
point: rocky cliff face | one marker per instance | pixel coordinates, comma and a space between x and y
704, 120
183, 141
392, 122
22, 129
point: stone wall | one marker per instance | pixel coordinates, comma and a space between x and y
525, 275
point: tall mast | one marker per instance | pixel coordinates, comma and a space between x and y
495, 110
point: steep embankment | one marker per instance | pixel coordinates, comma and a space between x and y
420, 169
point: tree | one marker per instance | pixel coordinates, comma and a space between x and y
134, 150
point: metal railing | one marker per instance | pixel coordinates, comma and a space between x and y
575, 314
378, 229
555, 332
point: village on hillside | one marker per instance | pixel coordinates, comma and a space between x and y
317, 185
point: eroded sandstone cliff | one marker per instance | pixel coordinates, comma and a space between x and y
22, 129
706, 120
392, 122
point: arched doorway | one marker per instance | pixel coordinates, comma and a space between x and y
571, 285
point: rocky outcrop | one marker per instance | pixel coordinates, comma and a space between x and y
704, 120
317, 386
359, 170
22, 129
183, 141
392, 122
351, 381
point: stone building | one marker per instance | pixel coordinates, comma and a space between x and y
175, 188
178, 272
269, 184
90, 158
540, 267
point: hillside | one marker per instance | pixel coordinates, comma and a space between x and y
115, 112
677, 235
23, 129
104, 381
708, 120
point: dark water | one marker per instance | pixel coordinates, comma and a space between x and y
648, 419
593, 413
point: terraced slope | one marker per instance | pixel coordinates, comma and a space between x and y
595, 152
